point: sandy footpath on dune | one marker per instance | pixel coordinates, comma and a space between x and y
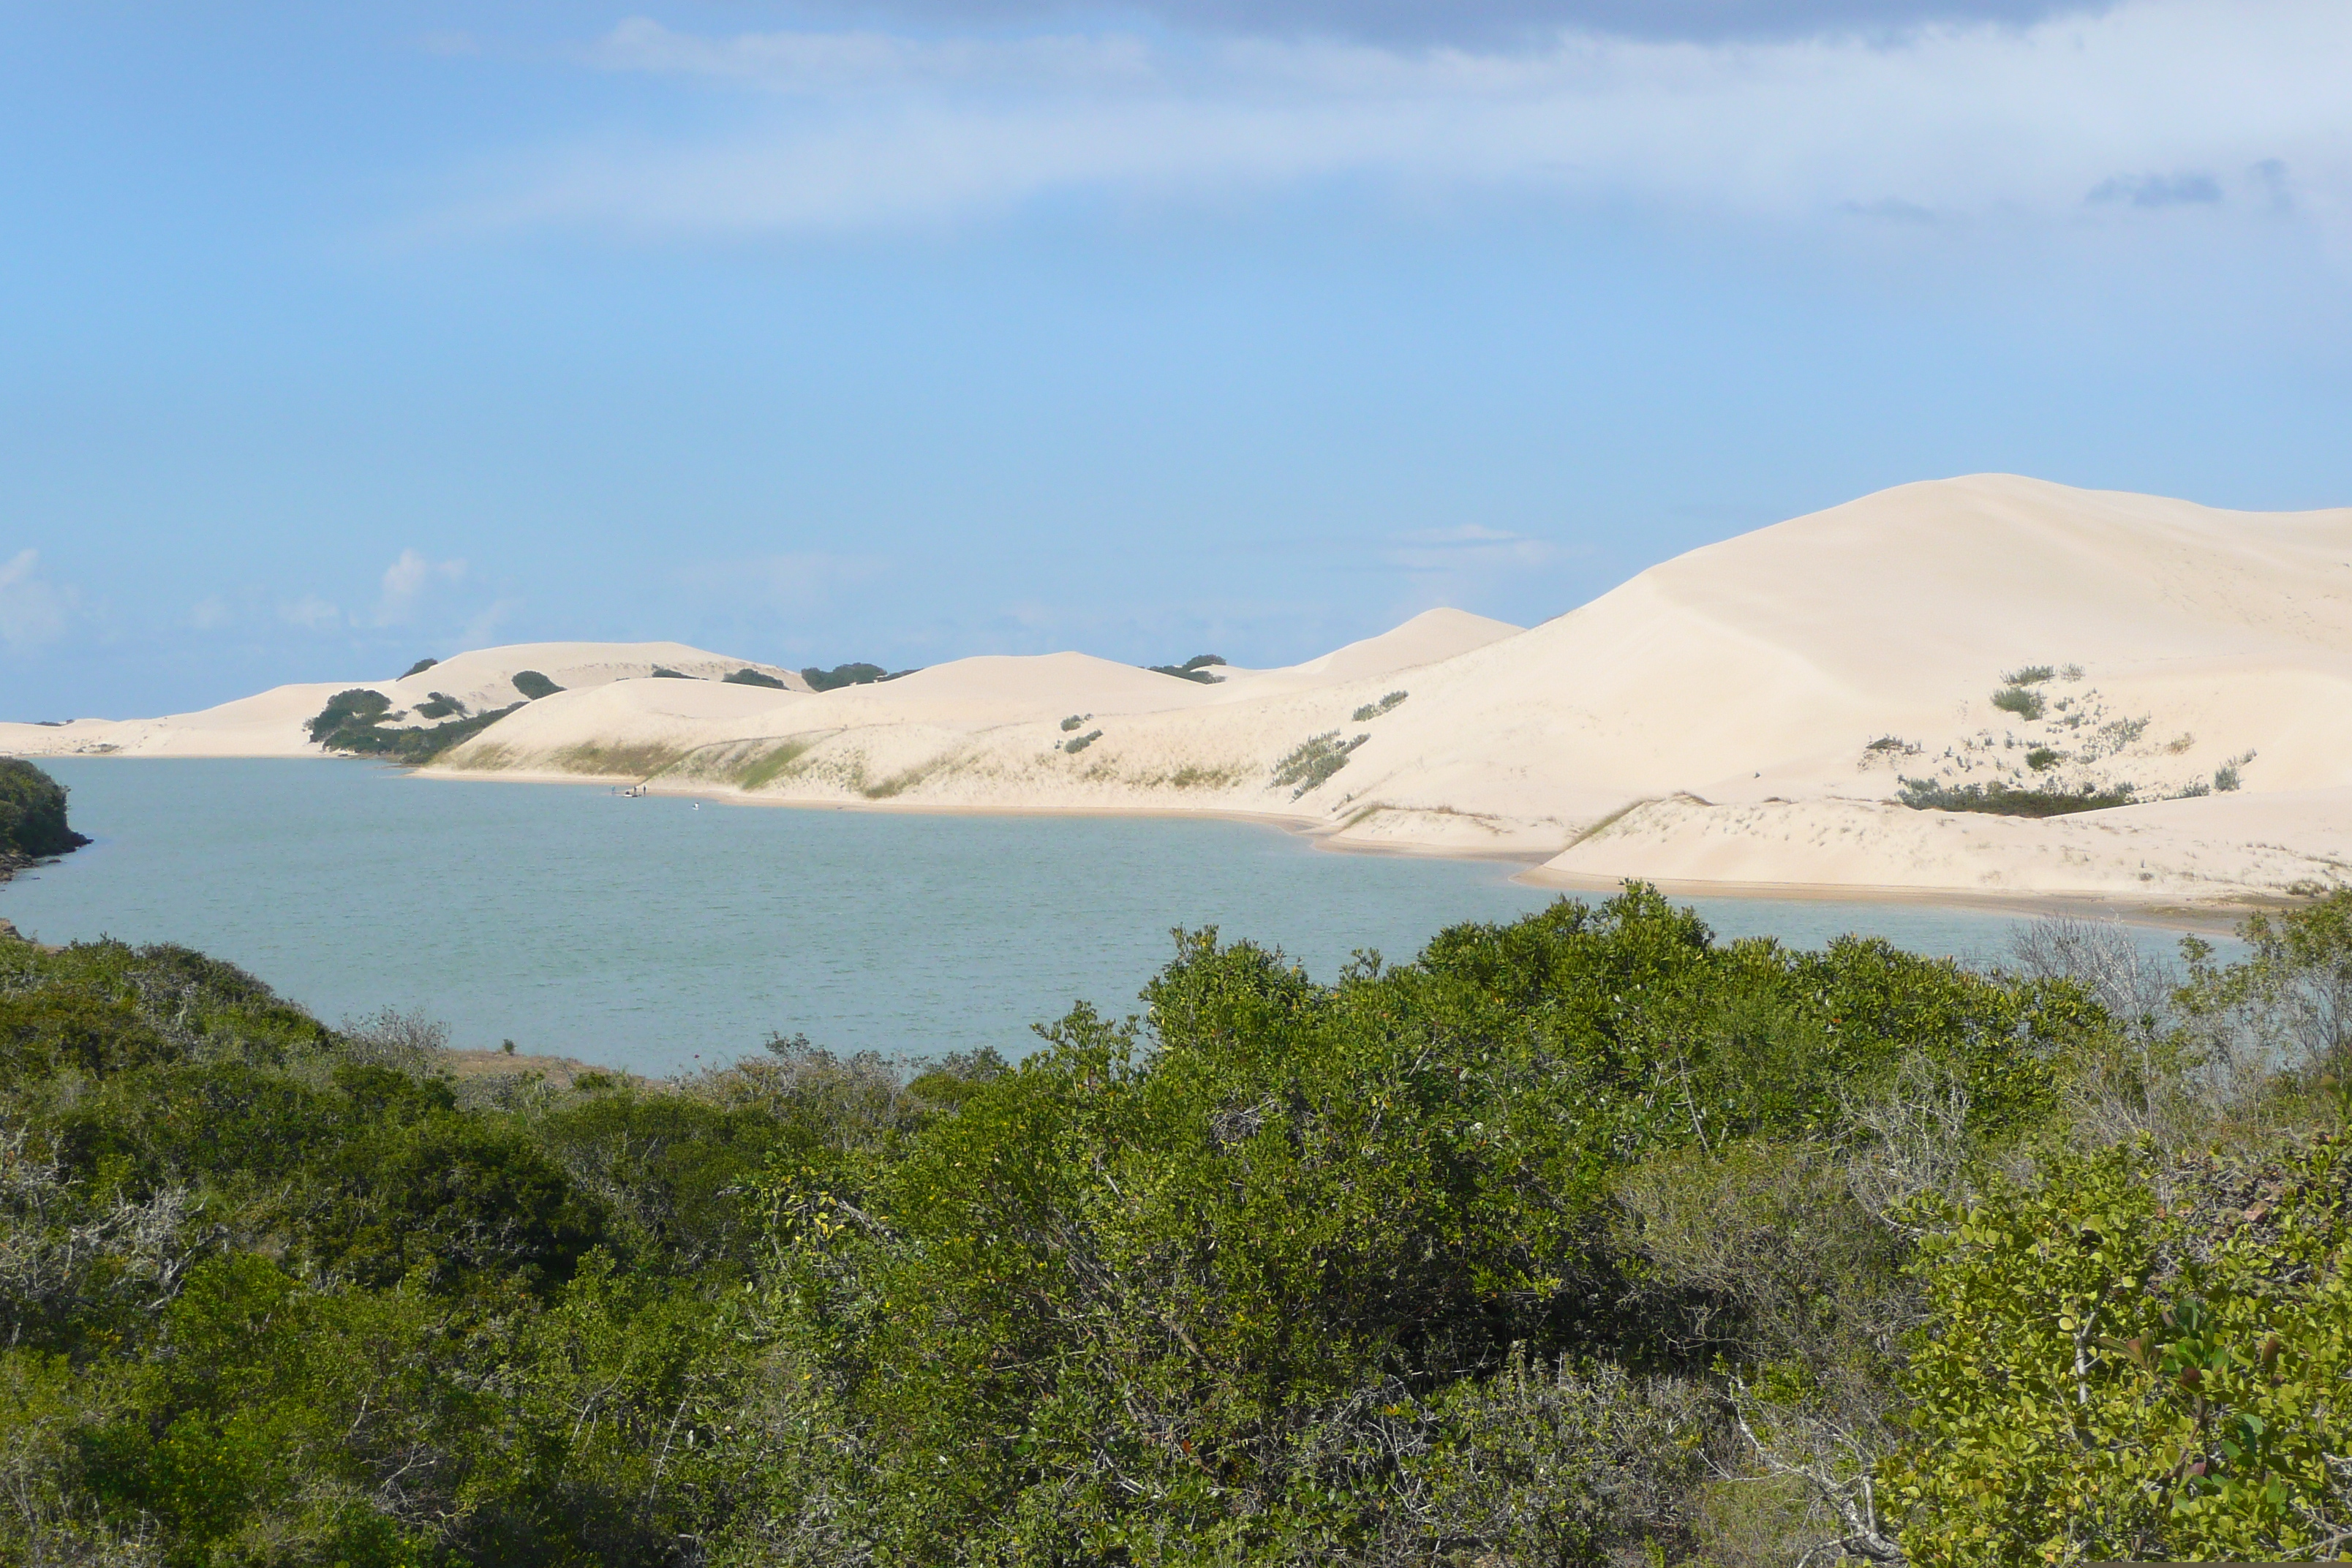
1751, 714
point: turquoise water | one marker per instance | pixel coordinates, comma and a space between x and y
656, 934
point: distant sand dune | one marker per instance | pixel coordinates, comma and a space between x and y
1743, 714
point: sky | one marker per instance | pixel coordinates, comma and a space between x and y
335, 337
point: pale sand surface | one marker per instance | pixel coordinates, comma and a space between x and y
1710, 722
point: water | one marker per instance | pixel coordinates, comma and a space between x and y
654, 935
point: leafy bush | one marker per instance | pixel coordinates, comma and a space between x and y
2227, 777
2002, 800
1194, 669
352, 723
419, 667
2023, 700
2042, 758
354, 708
1073, 721
842, 675
750, 677
2032, 675
1077, 744
533, 685
439, 705
1314, 760
661, 674
33, 813
1374, 709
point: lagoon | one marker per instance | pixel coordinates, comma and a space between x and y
659, 934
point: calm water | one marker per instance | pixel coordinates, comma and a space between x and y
653, 934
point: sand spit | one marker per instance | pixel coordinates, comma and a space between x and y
1746, 714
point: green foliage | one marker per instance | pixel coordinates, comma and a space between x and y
1374, 709
661, 674
534, 686
1077, 744
1197, 667
2042, 758
842, 675
1581, 1239
747, 676
353, 722
33, 813
419, 667
2023, 700
2003, 800
1073, 722
2034, 675
1313, 761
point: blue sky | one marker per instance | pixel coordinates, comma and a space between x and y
340, 336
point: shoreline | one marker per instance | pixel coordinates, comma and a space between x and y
2219, 918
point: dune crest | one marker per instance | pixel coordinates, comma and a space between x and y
1758, 711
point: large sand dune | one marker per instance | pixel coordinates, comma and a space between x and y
1745, 713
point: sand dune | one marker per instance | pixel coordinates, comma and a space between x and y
1745, 713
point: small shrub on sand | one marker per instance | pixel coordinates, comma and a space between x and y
661, 674
2042, 758
439, 705
2032, 675
533, 685
2001, 800
1314, 760
1073, 721
1893, 743
1374, 709
2226, 777
419, 667
1077, 744
2022, 700
750, 677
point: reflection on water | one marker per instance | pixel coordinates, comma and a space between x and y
656, 933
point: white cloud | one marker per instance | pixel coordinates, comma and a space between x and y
210, 613
406, 581
310, 613
1956, 122
33, 610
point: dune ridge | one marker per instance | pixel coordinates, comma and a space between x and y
1748, 713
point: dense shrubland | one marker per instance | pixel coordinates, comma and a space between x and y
360, 722
32, 815
1586, 1240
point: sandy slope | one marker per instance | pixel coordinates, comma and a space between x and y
1744, 712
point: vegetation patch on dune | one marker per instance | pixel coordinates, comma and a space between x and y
778, 762
356, 722
2003, 800
1370, 711
842, 675
1313, 761
1197, 667
1077, 744
747, 676
533, 685
640, 761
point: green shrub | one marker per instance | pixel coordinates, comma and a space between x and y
1314, 760
1194, 668
1077, 744
439, 705
33, 813
2002, 800
661, 674
2042, 758
1073, 721
1374, 709
750, 677
842, 675
2032, 675
356, 708
533, 685
2226, 777
419, 667
2023, 700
